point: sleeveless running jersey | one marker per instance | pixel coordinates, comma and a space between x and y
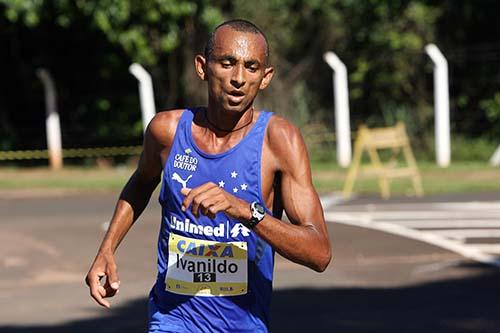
214, 275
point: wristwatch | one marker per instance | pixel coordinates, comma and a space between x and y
258, 214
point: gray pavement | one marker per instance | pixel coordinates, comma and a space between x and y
377, 282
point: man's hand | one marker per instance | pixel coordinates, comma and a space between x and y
103, 266
210, 199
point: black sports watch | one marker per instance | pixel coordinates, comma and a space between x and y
258, 214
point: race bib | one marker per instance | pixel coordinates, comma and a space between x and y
199, 267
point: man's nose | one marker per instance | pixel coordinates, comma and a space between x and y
238, 77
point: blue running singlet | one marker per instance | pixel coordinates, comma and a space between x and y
214, 275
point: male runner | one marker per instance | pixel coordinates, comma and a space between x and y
227, 173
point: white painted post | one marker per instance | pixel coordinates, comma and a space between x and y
341, 101
495, 158
52, 123
145, 92
441, 105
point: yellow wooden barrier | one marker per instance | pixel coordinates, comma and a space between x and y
371, 140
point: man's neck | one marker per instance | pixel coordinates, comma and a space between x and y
222, 120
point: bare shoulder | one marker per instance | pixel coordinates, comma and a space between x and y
163, 126
282, 134
285, 142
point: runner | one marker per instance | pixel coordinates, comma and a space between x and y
227, 173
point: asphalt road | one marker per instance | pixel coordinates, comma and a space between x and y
376, 283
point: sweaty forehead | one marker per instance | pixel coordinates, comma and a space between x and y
240, 44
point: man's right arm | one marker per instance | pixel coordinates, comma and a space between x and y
133, 199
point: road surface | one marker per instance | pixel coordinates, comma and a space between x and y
377, 282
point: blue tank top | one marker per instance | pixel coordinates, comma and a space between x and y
214, 275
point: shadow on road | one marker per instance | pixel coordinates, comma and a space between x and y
466, 305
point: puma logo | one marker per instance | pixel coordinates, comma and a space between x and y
178, 178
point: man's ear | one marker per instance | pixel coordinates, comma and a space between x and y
200, 67
268, 76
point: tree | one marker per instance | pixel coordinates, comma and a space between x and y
88, 45
95, 41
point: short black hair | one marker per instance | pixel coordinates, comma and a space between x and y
238, 25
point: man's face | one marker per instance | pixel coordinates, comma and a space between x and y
236, 70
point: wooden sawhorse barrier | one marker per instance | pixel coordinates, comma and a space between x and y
371, 140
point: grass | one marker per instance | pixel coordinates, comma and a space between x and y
458, 178
68, 178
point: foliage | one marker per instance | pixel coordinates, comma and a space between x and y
470, 39
95, 41
492, 109
380, 42
89, 44
477, 149
145, 29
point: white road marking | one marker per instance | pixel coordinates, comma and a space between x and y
468, 233
460, 221
449, 223
105, 226
332, 199
434, 267
489, 248
471, 205
425, 215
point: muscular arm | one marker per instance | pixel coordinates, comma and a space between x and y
305, 240
132, 201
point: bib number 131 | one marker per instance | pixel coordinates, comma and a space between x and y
204, 277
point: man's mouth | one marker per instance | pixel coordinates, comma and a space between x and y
236, 96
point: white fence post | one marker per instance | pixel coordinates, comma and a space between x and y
341, 102
52, 123
495, 158
441, 105
145, 92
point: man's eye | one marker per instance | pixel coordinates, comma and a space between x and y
226, 64
252, 69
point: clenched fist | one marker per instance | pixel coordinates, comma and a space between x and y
210, 199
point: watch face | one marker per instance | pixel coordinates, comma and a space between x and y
259, 208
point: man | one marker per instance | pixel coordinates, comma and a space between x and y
228, 172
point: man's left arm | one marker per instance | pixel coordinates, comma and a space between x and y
304, 240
